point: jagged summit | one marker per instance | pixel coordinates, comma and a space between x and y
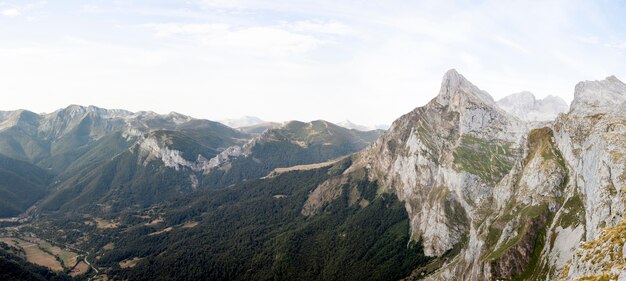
75, 110
525, 106
592, 97
455, 84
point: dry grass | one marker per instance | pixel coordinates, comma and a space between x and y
109, 246
35, 255
190, 224
129, 263
104, 224
80, 268
69, 258
9, 241
161, 231
308, 167
154, 222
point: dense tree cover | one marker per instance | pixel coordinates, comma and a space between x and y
15, 268
22, 184
118, 184
246, 232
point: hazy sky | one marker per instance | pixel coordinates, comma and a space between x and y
367, 61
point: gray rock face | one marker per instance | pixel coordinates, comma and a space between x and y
506, 196
416, 159
38, 138
525, 106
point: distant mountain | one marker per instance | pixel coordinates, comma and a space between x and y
114, 159
525, 106
160, 165
349, 125
294, 143
260, 128
57, 139
93, 152
245, 121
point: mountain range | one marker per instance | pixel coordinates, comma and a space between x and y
462, 188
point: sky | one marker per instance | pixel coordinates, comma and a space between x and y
366, 61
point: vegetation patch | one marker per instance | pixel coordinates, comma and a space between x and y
488, 159
104, 224
35, 254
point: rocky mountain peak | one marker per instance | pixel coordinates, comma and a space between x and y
525, 106
454, 85
593, 97
476, 109
20, 117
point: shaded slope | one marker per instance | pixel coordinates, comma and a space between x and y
21, 186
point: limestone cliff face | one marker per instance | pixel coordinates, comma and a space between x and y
494, 197
443, 159
592, 137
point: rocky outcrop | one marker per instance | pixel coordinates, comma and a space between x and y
603, 258
491, 195
434, 159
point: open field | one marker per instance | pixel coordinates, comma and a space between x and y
190, 224
109, 246
79, 269
307, 167
129, 263
43, 253
69, 258
34, 254
168, 229
104, 224
154, 222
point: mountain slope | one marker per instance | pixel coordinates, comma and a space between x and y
295, 143
22, 185
256, 230
156, 167
57, 139
508, 198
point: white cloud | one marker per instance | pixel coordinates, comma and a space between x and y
367, 61
11, 12
317, 26
231, 4
511, 44
260, 40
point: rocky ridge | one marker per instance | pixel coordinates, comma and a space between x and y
492, 196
